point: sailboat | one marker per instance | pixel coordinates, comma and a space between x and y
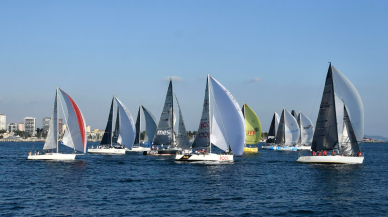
272, 131
75, 135
288, 133
150, 125
164, 141
124, 134
306, 132
221, 125
340, 123
252, 129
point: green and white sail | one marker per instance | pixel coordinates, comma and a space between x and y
252, 125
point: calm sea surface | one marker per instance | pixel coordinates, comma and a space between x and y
270, 183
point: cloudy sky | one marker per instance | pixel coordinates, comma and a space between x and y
269, 54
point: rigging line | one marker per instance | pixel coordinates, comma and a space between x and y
67, 125
215, 102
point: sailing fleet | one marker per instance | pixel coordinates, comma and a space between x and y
225, 128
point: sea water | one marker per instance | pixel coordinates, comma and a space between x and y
268, 183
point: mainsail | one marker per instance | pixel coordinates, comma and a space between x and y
164, 132
107, 138
279, 139
75, 124
182, 139
202, 139
127, 127
326, 132
273, 128
52, 136
150, 125
231, 121
252, 125
137, 126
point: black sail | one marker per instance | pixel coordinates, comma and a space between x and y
117, 127
326, 132
293, 113
164, 132
271, 131
137, 126
281, 130
107, 138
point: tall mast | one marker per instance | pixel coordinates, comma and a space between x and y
111, 134
210, 126
139, 123
56, 121
172, 116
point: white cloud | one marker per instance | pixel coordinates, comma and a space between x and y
173, 78
253, 80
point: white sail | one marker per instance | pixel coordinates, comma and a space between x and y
307, 130
232, 119
277, 120
291, 129
119, 139
127, 126
67, 140
75, 125
218, 135
150, 125
346, 91
52, 135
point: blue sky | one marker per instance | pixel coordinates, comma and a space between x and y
94, 49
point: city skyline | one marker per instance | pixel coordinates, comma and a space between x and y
270, 55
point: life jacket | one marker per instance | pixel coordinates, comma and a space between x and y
324, 153
319, 153
313, 153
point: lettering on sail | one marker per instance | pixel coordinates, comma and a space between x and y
163, 132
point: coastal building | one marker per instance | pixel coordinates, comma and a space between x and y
21, 127
30, 125
46, 124
11, 127
3, 122
88, 129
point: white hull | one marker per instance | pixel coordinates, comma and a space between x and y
138, 149
106, 151
52, 156
303, 147
265, 146
331, 159
204, 157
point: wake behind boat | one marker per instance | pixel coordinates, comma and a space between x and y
222, 125
340, 123
75, 134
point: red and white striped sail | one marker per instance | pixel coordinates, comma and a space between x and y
76, 126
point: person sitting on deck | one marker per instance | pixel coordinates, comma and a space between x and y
324, 153
359, 154
342, 154
313, 153
333, 153
319, 154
